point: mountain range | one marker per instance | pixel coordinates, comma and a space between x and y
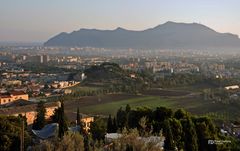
170, 35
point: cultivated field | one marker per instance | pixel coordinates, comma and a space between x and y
110, 103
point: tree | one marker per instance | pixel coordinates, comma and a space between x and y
128, 108
180, 114
40, 121
190, 135
142, 123
205, 131
62, 123
114, 125
162, 113
78, 117
10, 130
98, 129
121, 118
109, 125
177, 132
169, 144
55, 116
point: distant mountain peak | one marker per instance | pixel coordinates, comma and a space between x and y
120, 29
170, 35
170, 22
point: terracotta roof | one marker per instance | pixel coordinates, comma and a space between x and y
17, 93
14, 93
5, 96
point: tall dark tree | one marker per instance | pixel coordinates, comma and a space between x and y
109, 125
121, 118
40, 120
78, 117
114, 125
162, 113
55, 116
127, 110
190, 135
169, 144
205, 131
177, 132
62, 121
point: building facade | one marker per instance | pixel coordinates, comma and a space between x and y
13, 96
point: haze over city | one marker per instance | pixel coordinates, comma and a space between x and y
37, 21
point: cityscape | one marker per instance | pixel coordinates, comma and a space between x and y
170, 87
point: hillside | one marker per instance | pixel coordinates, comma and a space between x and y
169, 35
109, 73
114, 78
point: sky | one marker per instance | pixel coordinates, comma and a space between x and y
39, 20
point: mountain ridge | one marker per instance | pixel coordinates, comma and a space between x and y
170, 35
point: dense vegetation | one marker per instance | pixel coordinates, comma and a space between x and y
10, 132
179, 80
114, 79
180, 129
187, 79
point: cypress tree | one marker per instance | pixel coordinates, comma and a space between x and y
40, 121
169, 142
109, 125
190, 135
121, 118
114, 125
177, 132
205, 131
62, 122
78, 117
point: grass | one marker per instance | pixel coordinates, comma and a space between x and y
193, 88
78, 87
112, 107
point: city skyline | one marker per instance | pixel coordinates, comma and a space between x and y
29, 21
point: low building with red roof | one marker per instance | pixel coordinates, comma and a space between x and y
13, 96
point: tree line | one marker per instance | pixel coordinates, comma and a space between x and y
181, 129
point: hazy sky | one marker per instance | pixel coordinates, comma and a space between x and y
38, 20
